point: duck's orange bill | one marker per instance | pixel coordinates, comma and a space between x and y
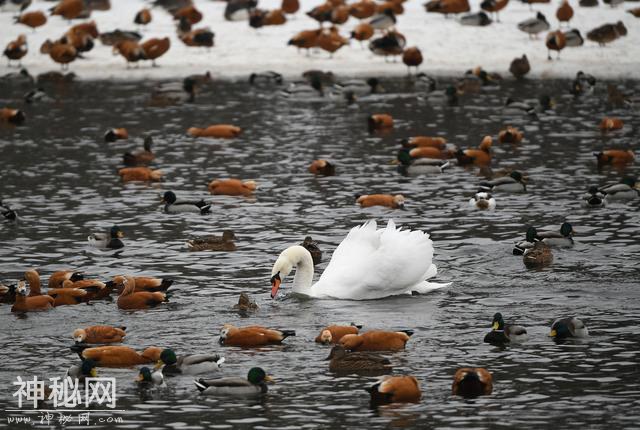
275, 285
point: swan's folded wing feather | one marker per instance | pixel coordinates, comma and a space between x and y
373, 264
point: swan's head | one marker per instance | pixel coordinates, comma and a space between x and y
288, 259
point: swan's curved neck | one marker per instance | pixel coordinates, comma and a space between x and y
303, 279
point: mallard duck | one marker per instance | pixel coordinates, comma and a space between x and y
232, 187
99, 334
387, 200
359, 87
311, 90
539, 255
238, 10
627, 189
512, 183
119, 356
395, 389
502, 333
37, 96
173, 93
79, 372
111, 38
558, 238
583, 83
245, 304
172, 205
533, 26
410, 166
342, 361
107, 241
383, 21
254, 385
14, 6
478, 19
530, 239
563, 328
333, 333
542, 104
593, 198
326, 78
472, 382
141, 157
483, 200
573, 38
520, 67
130, 299
376, 340
251, 336
214, 243
269, 77
30, 304
147, 378
193, 364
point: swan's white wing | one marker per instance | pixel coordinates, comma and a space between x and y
372, 263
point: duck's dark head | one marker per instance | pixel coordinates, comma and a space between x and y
566, 229
144, 375
167, 357
88, 368
148, 141
532, 234
374, 83
546, 102
116, 233
560, 329
516, 175
470, 385
337, 351
498, 322
258, 376
169, 197
404, 156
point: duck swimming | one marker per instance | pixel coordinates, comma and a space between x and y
107, 241
173, 206
342, 361
147, 378
355, 270
142, 157
333, 333
214, 243
376, 340
593, 198
312, 246
512, 183
410, 166
472, 382
254, 385
563, 328
558, 238
627, 189
530, 239
193, 364
501, 333
395, 389
539, 255
483, 200
99, 334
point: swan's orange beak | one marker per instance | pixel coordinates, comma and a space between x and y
275, 284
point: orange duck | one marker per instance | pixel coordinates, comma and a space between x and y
376, 340
143, 174
362, 9
448, 6
430, 152
333, 333
412, 57
199, 37
33, 19
510, 135
260, 18
251, 336
388, 200
81, 36
232, 187
362, 32
130, 299
16, 49
330, 40
322, 167
61, 296
339, 14
12, 116
564, 13
306, 39
120, 356
116, 134
143, 17
190, 13
390, 6
57, 278
30, 304
556, 41
99, 334
494, 6
395, 389
68, 9
617, 157
94, 288
61, 53
425, 141
321, 13
148, 284
479, 157
130, 50
155, 48
217, 131
290, 6
609, 124
380, 121
472, 382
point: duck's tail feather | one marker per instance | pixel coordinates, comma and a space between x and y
287, 333
200, 385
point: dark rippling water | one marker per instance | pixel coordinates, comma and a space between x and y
61, 177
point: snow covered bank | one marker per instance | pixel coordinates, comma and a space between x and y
448, 47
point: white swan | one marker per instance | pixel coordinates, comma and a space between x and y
368, 264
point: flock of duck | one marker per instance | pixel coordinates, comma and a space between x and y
357, 270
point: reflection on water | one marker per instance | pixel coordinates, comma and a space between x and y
61, 177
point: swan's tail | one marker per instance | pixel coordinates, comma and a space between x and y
425, 287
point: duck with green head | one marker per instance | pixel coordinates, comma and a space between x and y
410, 166
255, 384
627, 189
563, 328
560, 238
193, 364
530, 238
83, 370
147, 378
502, 333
